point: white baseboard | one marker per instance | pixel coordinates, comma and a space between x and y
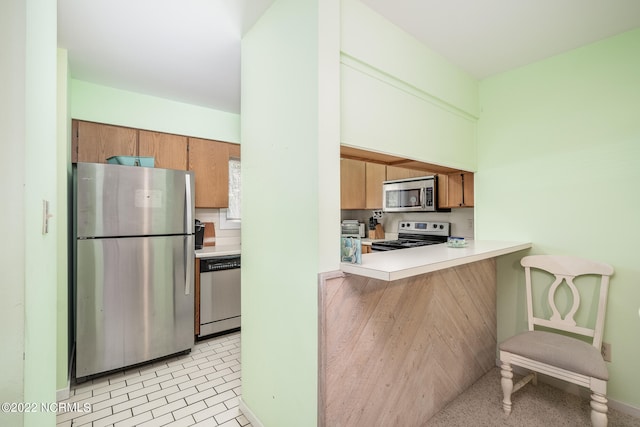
63, 394
255, 422
579, 391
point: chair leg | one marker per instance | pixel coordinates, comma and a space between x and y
507, 386
598, 410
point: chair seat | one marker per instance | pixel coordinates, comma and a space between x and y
558, 350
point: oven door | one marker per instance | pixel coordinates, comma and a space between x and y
409, 196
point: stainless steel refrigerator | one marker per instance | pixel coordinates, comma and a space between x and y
134, 262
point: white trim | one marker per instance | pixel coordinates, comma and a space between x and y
227, 224
578, 391
255, 422
63, 394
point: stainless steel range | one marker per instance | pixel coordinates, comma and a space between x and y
412, 234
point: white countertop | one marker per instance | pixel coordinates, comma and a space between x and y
403, 263
214, 251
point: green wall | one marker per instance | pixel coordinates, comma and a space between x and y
290, 164
401, 98
12, 222
28, 167
63, 188
558, 162
40, 183
104, 104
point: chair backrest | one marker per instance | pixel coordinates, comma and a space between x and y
566, 269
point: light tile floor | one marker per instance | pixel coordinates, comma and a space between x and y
201, 388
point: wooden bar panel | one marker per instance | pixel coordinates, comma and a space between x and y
395, 353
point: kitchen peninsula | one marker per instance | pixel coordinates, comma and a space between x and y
406, 331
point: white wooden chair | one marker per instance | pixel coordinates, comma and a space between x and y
557, 354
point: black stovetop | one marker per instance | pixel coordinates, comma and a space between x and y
413, 234
403, 243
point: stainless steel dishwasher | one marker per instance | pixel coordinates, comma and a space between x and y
219, 294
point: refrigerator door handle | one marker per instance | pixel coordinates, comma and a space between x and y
188, 263
189, 204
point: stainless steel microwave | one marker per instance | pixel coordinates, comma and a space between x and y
410, 195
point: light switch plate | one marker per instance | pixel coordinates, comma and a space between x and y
45, 216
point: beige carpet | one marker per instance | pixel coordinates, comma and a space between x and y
533, 406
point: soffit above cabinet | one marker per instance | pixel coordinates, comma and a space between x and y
347, 152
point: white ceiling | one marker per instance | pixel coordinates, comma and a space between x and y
486, 37
189, 50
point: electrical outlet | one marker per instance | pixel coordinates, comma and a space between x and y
606, 351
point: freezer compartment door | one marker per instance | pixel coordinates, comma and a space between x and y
134, 301
116, 200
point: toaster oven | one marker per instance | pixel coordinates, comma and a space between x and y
352, 228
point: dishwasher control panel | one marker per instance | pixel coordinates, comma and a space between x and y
219, 263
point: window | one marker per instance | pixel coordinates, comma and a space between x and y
230, 218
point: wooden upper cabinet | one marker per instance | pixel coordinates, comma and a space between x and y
234, 150
361, 184
352, 184
468, 189
96, 142
210, 162
375, 175
456, 190
169, 151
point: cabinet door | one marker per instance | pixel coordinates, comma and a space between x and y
455, 190
375, 175
169, 151
96, 142
468, 189
352, 184
210, 162
395, 172
234, 150
458, 189
443, 191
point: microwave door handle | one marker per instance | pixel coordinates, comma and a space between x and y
423, 197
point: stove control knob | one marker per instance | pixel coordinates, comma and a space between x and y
435, 225
441, 226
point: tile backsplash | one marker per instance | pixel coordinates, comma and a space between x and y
224, 236
461, 220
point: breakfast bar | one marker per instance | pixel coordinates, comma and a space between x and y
394, 265
406, 331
